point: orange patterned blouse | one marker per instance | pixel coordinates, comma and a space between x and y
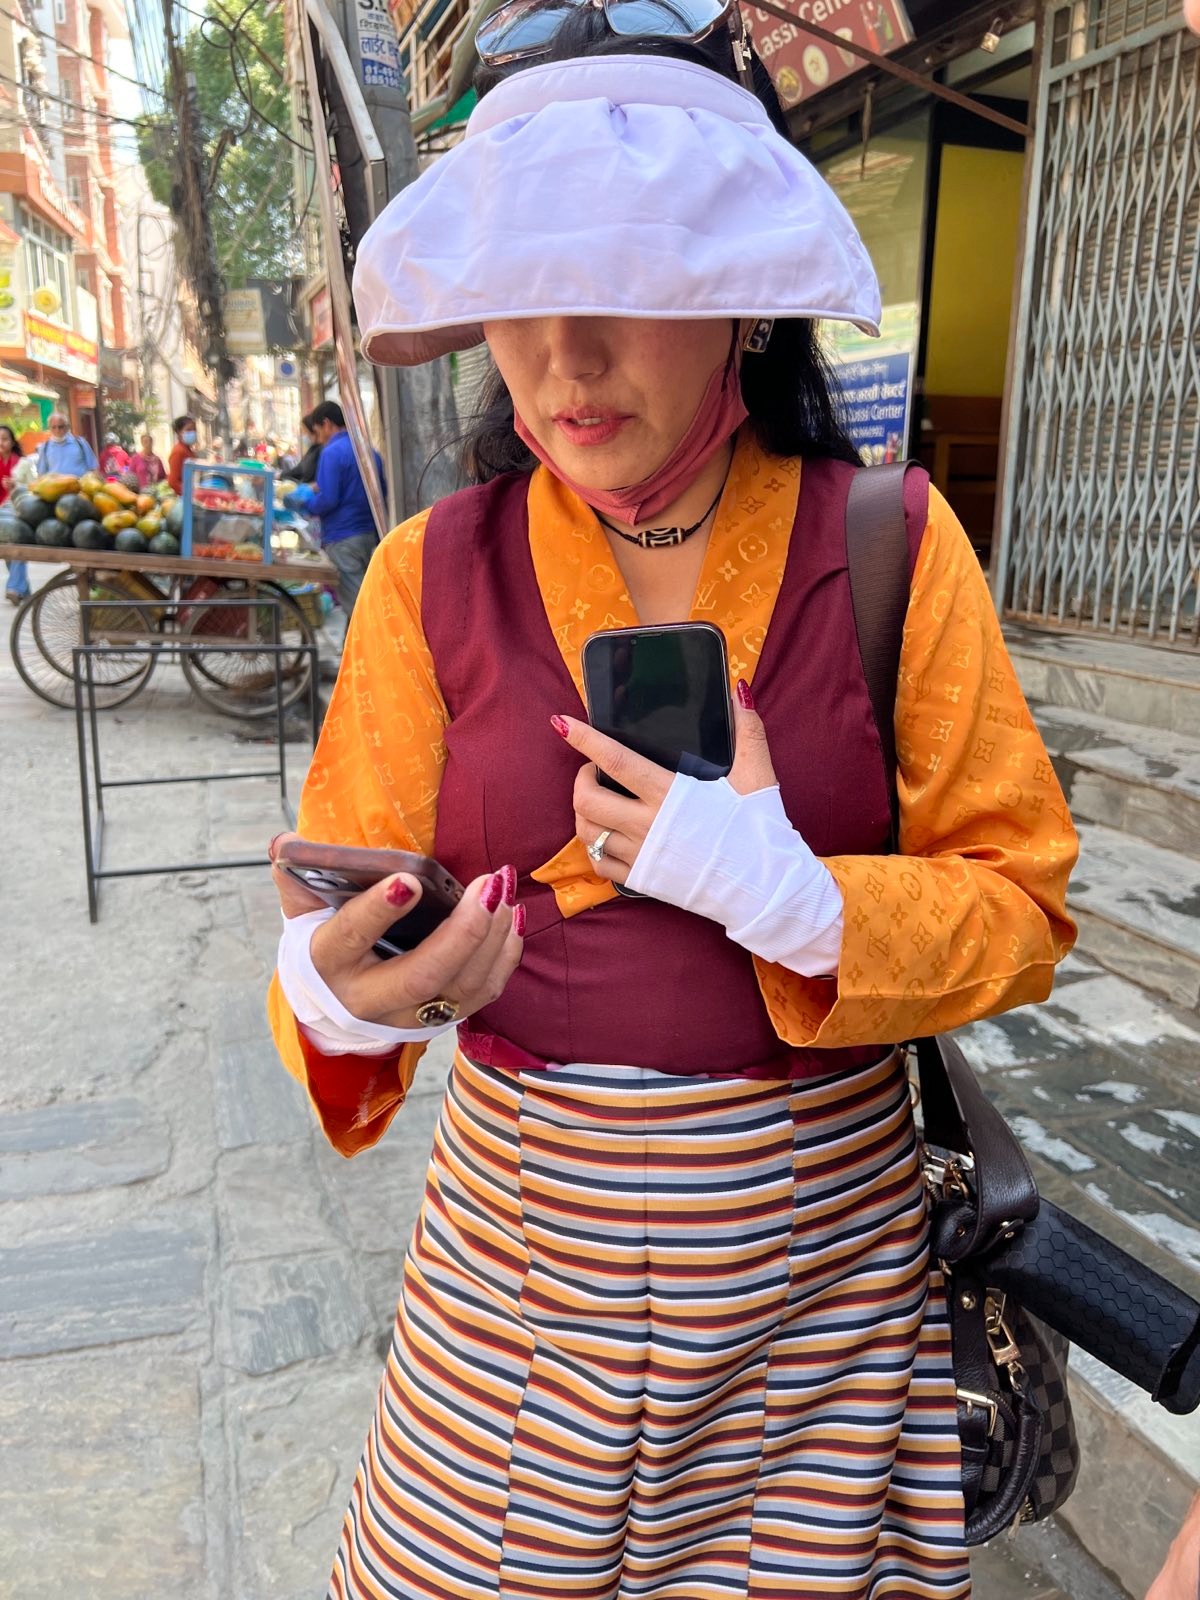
968, 920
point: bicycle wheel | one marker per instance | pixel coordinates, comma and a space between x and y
48, 627
243, 684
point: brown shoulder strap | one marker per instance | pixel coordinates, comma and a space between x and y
877, 556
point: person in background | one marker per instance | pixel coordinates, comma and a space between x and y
146, 465
65, 451
348, 533
114, 458
305, 470
17, 584
182, 450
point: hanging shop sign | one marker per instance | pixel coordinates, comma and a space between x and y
378, 45
10, 300
245, 324
876, 380
320, 313
61, 348
802, 65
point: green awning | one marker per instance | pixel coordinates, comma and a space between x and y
457, 114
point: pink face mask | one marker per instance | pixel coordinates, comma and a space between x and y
721, 413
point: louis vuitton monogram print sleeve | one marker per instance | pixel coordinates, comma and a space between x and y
970, 918
373, 781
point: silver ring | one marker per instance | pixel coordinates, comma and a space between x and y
596, 849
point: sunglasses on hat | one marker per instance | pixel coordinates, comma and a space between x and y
521, 29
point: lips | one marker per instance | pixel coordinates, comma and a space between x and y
590, 425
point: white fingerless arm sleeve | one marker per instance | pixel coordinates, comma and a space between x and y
737, 860
324, 1020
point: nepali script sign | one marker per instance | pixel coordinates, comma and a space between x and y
802, 65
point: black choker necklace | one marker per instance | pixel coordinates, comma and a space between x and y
659, 538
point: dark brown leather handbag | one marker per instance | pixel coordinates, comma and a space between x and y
1005, 1253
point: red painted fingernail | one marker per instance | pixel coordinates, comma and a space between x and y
561, 726
491, 892
519, 921
508, 885
745, 698
398, 893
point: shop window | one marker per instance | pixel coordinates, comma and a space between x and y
47, 263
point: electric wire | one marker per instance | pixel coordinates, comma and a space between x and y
83, 55
75, 105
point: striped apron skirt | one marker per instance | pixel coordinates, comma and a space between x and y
664, 1338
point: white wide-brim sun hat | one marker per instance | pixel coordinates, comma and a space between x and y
608, 186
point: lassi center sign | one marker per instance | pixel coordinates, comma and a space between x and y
801, 64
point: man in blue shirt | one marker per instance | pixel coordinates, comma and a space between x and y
348, 534
64, 451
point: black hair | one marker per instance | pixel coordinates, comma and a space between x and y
11, 432
787, 388
327, 411
181, 423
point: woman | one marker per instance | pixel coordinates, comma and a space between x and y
17, 586
146, 464
114, 458
668, 1326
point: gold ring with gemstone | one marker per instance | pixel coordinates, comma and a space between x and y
596, 849
436, 1013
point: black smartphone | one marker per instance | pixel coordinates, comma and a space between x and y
664, 692
336, 873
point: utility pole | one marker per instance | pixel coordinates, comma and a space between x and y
416, 404
189, 202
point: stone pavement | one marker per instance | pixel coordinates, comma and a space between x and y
195, 1292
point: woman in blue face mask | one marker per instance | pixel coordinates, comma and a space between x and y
182, 450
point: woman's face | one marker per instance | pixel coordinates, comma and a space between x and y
8, 441
608, 398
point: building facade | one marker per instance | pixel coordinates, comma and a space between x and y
64, 310
1038, 250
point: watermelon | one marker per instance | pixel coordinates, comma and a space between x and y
52, 531
29, 507
89, 535
164, 544
14, 529
73, 508
173, 518
131, 541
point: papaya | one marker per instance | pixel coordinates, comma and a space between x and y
122, 494
116, 521
149, 525
52, 531
173, 517
105, 502
145, 503
53, 484
90, 482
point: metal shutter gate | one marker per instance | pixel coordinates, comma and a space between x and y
1100, 526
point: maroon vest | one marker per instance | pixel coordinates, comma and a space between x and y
636, 981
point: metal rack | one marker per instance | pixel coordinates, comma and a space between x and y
92, 783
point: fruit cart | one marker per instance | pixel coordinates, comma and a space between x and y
129, 559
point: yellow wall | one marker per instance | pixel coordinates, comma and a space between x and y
974, 260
